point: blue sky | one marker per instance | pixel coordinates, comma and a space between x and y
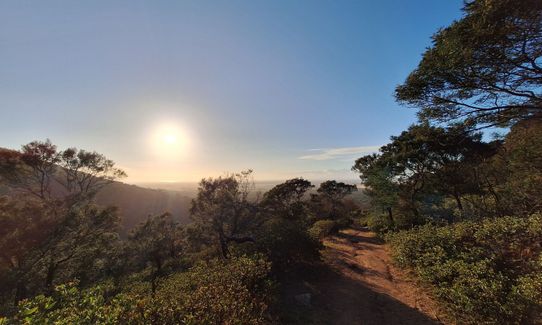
287, 88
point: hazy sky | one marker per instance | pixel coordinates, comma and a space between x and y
179, 90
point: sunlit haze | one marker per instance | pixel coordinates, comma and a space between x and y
174, 91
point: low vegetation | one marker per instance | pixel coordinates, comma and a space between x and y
215, 292
482, 271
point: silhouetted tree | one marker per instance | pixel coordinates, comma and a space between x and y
223, 210
43, 171
286, 199
155, 241
423, 161
283, 235
330, 198
52, 228
484, 69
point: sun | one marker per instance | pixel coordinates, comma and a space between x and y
169, 141
169, 138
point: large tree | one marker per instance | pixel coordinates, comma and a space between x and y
286, 199
329, 201
223, 211
51, 228
46, 173
283, 235
516, 170
422, 161
484, 69
154, 242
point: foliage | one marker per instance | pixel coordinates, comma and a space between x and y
420, 168
517, 169
70, 305
285, 200
484, 272
217, 292
236, 291
52, 231
484, 69
379, 223
282, 235
329, 203
156, 241
322, 228
223, 211
287, 244
39, 169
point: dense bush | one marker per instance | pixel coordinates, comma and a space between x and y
237, 291
483, 272
287, 245
322, 228
218, 292
377, 223
70, 305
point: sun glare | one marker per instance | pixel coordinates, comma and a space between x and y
169, 141
170, 138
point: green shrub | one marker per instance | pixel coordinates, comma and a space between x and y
484, 272
378, 223
236, 291
69, 305
322, 228
286, 244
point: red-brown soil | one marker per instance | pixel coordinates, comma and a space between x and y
363, 286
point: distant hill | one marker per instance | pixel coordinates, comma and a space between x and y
137, 203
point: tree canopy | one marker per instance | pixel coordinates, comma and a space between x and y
484, 69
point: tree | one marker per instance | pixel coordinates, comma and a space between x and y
286, 199
40, 245
48, 174
378, 181
332, 193
53, 231
516, 170
24, 228
485, 69
80, 237
32, 169
87, 172
155, 241
282, 235
223, 210
421, 162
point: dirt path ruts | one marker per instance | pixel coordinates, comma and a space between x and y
365, 288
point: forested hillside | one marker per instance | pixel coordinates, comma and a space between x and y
134, 203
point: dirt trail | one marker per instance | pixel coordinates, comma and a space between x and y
363, 286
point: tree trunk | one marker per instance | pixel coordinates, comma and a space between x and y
390, 215
223, 246
20, 292
51, 270
459, 204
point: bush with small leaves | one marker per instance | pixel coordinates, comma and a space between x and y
234, 291
322, 228
483, 272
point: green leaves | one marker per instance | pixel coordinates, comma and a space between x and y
483, 69
236, 291
483, 272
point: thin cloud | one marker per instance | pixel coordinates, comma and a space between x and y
338, 153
